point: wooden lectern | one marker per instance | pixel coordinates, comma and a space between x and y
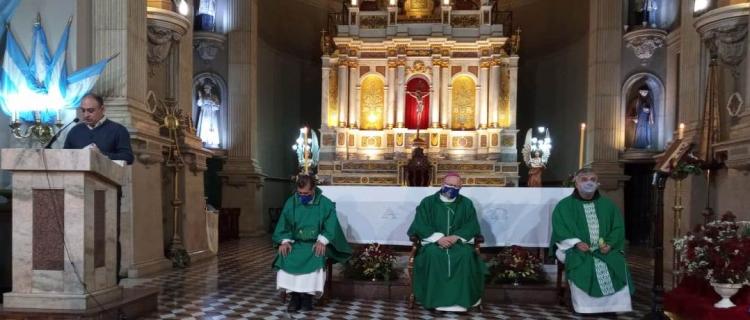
64, 228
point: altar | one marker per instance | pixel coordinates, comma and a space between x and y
507, 216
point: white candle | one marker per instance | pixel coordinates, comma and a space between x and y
581, 145
681, 131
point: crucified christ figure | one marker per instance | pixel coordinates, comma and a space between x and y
419, 96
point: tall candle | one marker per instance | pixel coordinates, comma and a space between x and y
681, 131
581, 145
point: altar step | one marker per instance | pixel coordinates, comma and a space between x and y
389, 172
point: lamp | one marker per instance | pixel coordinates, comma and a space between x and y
354, 3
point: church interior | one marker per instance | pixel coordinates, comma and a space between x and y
382, 102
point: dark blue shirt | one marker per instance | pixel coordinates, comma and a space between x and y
112, 139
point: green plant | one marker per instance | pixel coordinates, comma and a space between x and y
372, 262
684, 169
516, 265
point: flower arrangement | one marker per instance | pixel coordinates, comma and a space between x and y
372, 262
516, 265
716, 251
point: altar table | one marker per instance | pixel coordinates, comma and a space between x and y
507, 216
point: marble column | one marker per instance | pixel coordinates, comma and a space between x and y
494, 93
401, 95
435, 95
483, 93
119, 27
242, 177
444, 95
326, 76
392, 89
343, 92
603, 108
353, 89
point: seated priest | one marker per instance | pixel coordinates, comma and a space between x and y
307, 234
588, 235
448, 273
97, 132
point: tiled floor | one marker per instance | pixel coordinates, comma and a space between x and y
240, 284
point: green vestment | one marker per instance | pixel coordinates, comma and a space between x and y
453, 276
302, 224
592, 222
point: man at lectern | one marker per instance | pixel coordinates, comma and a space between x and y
588, 235
448, 273
308, 233
97, 132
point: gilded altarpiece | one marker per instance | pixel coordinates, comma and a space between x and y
372, 102
333, 98
463, 103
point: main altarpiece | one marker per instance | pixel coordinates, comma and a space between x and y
393, 71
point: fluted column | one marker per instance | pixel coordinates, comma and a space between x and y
494, 97
392, 88
483, 93
243, 178
435, 95
117, 27
444, 95
343, 92
353, 85
603, 107
401, 96
325, 77
513, 91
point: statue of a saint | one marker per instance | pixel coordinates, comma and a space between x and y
646, 9
208, 116
205, 16
536, 168
644, 119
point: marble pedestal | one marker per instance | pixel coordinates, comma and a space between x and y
64, 228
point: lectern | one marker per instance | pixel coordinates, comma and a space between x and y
64, 228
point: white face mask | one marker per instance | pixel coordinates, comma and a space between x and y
588, 187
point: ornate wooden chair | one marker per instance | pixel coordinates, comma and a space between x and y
562, 285
416, 243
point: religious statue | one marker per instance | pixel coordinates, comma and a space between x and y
643, 119
535, 155
418, 169
208, 114
205, 16
646, 9
419, 96
307, 149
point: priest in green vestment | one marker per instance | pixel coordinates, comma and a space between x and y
588, 236
307, 234
448, 273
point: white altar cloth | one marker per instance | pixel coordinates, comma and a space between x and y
507, 216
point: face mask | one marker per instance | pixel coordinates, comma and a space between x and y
305, 199
589, 187
449, 192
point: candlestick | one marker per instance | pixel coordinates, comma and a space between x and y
13, 117
581, 145
681, 131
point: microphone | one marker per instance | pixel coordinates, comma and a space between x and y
57, 135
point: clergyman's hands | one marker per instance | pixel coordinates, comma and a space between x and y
320, 249
447, 242
284, 249
605, 249
582, 246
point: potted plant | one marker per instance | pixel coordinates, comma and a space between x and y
516, 265
372, 262
718, 253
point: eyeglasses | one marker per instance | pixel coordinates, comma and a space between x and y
88, 110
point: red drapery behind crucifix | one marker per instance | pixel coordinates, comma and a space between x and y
411, 118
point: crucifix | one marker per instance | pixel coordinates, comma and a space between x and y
419, 96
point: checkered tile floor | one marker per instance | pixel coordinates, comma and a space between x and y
239, 284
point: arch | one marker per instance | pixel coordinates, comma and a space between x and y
372, 74
221, 120
372, 102
417, 85
463, 102
663, 120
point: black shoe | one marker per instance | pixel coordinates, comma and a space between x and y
294, 302
306, 302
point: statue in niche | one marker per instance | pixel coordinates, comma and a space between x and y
205, 16
418, 169
209, 103
643, 117
646, 12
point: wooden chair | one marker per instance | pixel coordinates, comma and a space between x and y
416, 243
562, 285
